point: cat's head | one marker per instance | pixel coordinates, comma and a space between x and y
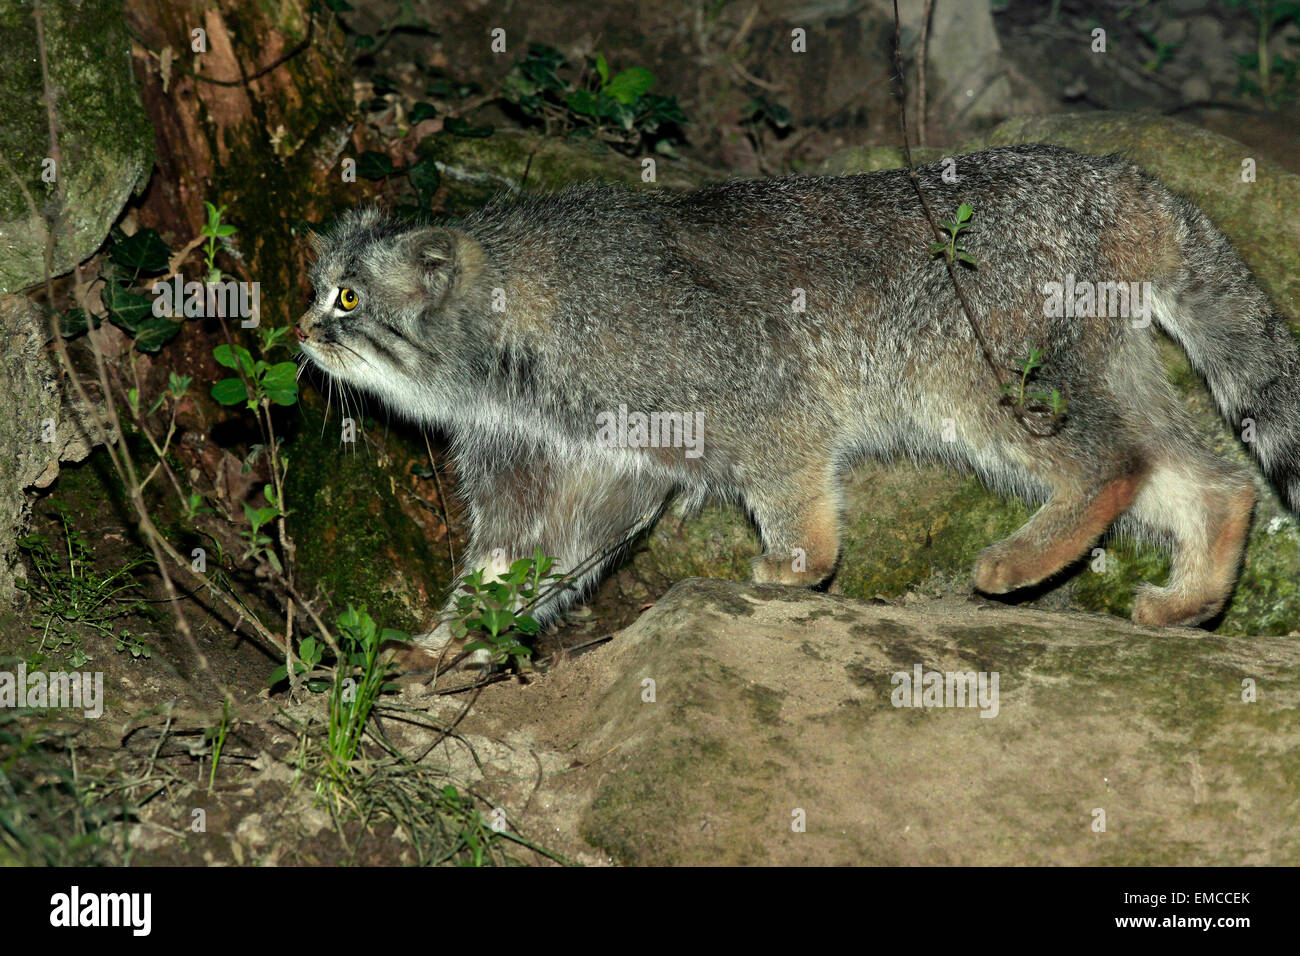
389, 300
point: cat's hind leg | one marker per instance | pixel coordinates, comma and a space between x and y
1093, 468
1200, 506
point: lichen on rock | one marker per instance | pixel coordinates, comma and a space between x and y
105, 138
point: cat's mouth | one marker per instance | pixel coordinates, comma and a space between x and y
320, 353
310, 342
335, 358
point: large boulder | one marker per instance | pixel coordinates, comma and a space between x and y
105, 139
739, 724
107, 149
43, 425
968, 76
478, 169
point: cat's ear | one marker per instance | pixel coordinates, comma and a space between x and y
443, 259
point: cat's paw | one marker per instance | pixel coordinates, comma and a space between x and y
767, 569
1002, 568
441, 646
1166, 607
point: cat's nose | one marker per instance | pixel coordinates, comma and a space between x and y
299, 334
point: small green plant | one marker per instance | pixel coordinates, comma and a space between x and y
214, 230
476, 836
129, 276
1019, 394
260, 544
950, 250
218, 737
128, 643
261, 383
359, 678
593, 101
177, 386
73, 594
355, 682
492, 615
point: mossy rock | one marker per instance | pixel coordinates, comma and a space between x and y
29, 380
786, 714
477, 169
105, 137
917, 531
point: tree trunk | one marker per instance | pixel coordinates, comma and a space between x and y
255, 122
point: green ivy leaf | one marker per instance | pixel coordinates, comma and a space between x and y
126, 309
73, 322
374, 165
155, 332
144, 252
425, 178
423, 111
628, 85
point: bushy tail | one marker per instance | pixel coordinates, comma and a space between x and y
1236, 338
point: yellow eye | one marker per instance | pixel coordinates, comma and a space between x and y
347, 300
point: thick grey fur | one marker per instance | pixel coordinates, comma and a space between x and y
684, 303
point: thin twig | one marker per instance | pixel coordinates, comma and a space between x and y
920, 72
442, 502
964, 304
243, 80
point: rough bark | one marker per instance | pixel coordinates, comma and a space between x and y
256, 122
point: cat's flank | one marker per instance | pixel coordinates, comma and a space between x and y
593, 352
